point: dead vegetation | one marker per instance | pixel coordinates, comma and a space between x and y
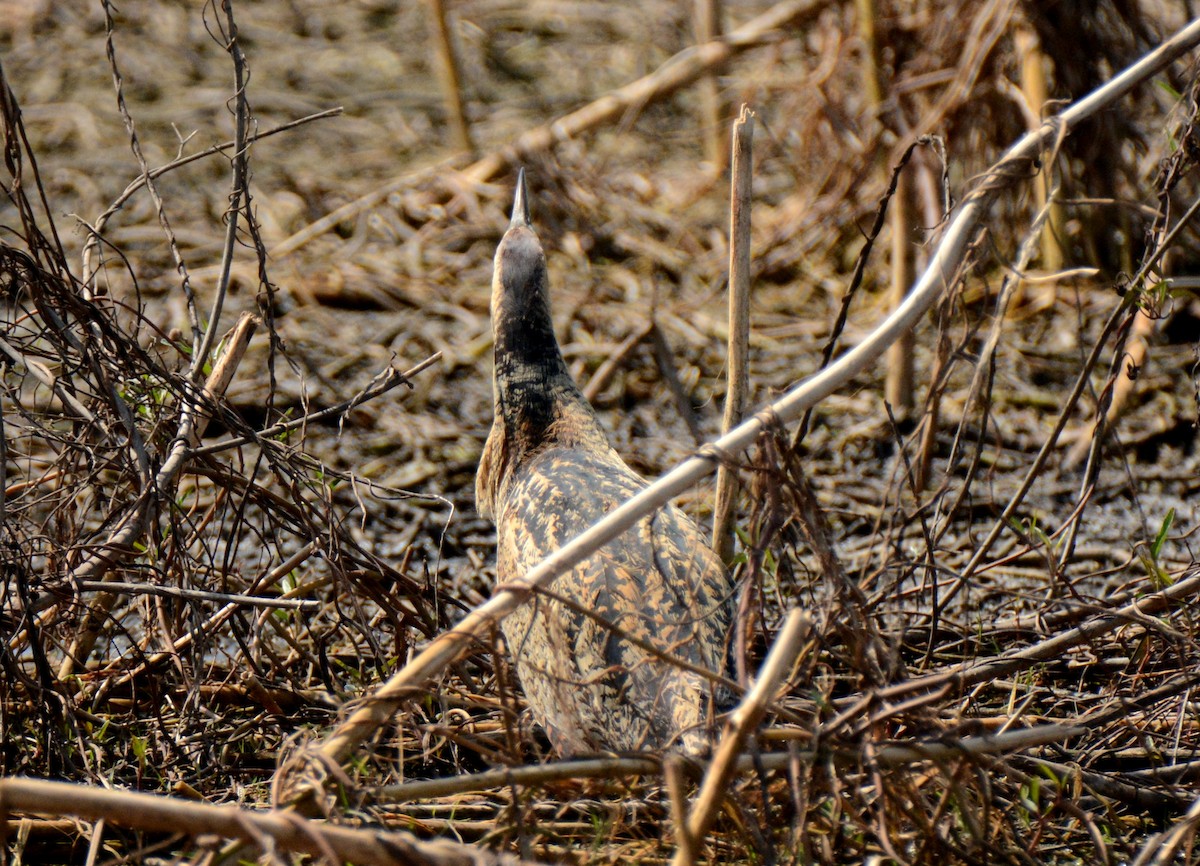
204, 578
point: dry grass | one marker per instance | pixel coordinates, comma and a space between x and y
979, 685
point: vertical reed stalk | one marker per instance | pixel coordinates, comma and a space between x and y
446, 63
1035, 90
739, 323
707, 22
898, 386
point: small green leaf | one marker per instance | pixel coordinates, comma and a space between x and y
1169, 90
1161, 539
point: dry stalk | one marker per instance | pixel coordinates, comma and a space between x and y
944, 263
605, 372
898, 383
1035, 93
741, 726
665, 361
706, 19
856, 279
286, 830
737, 373
446, 63
866, 14
676, 778
201, 595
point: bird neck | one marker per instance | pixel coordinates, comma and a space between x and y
536, 398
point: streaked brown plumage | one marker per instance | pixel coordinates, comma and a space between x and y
547, 474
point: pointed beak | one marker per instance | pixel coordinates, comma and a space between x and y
520, 211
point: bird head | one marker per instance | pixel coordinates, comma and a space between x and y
519, 273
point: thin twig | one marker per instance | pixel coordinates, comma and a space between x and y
197, 595
608, 369
97, 228
239, 195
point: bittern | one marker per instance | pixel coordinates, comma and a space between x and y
547, 473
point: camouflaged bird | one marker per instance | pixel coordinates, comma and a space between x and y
547, 474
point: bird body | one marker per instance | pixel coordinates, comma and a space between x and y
548, 473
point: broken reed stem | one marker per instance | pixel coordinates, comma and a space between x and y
898, 382
944, 263
286, 830
446, 64
741, 726
737, 362
673, 770
707, 23
223, 370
